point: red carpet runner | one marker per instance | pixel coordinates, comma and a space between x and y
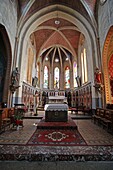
57, 138
57, 134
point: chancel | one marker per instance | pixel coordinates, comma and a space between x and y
56, 84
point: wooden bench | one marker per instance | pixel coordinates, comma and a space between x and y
107, 121
5, 119
104, 117
96, 117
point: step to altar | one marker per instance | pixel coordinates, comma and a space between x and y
69, 125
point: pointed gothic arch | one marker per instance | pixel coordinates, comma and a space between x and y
5, 64
107, 54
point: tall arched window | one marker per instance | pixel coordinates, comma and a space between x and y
84, 66
56, 77
38, 74
74, 74
45, 77
67, 77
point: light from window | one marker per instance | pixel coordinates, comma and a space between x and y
45, 77
67, 77
75, 74
56, 77
84, 67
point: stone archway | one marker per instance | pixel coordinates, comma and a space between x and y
42, 16
107, 53
5, 65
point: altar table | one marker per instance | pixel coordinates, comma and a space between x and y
56, 112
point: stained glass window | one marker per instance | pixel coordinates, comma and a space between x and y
67, 77
45, 77
75, 73
82, 66
38, 74
85, 66
56, 77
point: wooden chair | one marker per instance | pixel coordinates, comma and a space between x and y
107, 121
96, 116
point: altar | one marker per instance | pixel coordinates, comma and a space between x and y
57, 99
56, 112
57, 96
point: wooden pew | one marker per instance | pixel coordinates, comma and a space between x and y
104, 117
5, 119
107, 121
96, 116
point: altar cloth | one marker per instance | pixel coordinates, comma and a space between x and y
57, 97
56, 107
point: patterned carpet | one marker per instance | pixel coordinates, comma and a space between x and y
57, 138
13, 144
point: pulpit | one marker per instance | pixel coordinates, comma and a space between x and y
56, 112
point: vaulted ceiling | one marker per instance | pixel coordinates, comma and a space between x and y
57, 32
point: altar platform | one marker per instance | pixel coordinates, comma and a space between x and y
69, 125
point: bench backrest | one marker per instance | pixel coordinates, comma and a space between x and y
102, 112
109, 115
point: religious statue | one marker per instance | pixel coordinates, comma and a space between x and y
97, 75
98, 80
56, 84
15, 77
14, 82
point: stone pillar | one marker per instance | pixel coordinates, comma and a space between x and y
41, 76
62, 80
71, 78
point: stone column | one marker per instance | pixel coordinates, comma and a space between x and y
41, 76
71, 78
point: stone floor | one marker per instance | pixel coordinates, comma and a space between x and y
99, 144
24, 165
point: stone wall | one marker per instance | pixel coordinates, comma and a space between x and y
105, 20
8, 18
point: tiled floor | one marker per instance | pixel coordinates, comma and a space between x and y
20, 136
99, 143
93, 134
